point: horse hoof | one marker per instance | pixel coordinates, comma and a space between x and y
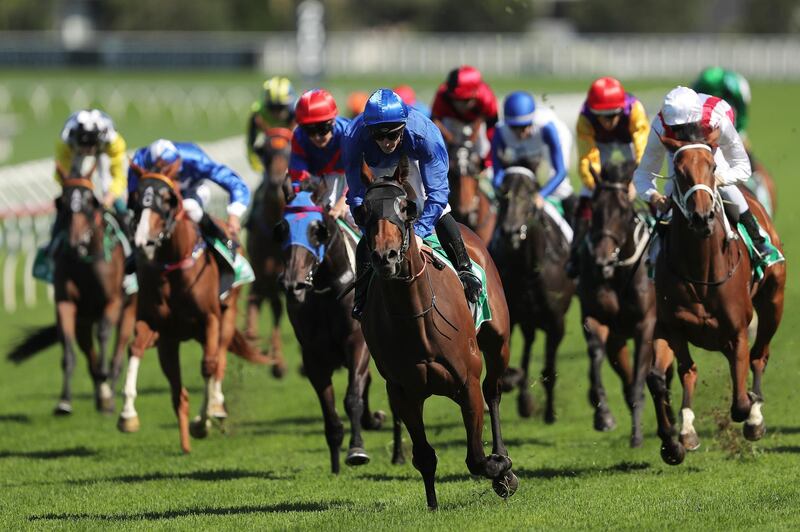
374, 421
496, 466
218, 412
525, 404
690, 441
398, 459
506, 487
356, 456
636, 441
107, 406
279, 371
754, 432
510, 379
127, 425
63, 408
673, 453
604, 421
198, 428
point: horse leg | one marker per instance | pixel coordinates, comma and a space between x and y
739, 360
357, 374
83, 335
208, 368
65, 317
334, 430
643, 361
554, 336
168, 357
672, 451
596, 336
254, 301
687, 372
124, 333
104, 395
370, 420
279, 367
145, 337
216, 407
424, 457
525, 399
398, 456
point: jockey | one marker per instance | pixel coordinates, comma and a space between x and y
683, 111
527, 135
408, 95
356, 102
612, 125
317, 146
195, 168
91, 133
731, 87
274, 109
461, 100
379, 137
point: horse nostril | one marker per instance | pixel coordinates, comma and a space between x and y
392, 255
711, 215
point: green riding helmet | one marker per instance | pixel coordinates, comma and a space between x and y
731, 87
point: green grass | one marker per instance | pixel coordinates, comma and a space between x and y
270, 469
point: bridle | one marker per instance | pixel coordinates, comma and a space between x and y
639, 234
147, 200
522, 231
78, 205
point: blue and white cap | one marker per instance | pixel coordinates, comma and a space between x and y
161, 153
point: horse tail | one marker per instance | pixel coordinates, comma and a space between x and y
36, 341
241, 347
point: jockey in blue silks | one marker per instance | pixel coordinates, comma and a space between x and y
195, 168
527, 135
380, 136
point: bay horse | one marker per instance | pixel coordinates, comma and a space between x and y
421, 332
89, 295
531, 252
319, 265
706, 295
265, 254
179, 300
471, 205
617, 297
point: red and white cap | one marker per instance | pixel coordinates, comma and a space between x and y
682, 105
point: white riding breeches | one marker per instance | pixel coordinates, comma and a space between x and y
195, 198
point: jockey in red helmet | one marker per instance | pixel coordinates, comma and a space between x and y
316, 146
464, 98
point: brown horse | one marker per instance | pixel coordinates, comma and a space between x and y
264, 252
179, 283
531, 253
617, 297
422, 336
706, 295
319, 265
89, 296
471, 205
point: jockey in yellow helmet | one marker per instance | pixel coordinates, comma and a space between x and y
275, 109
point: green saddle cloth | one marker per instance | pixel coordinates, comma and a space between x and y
239, 266
759, 263
481, 311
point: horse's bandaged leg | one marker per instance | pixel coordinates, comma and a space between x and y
129, 392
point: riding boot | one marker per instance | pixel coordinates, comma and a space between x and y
212, 230
570, 206
767, 253
450, 238
581, 221
363, 267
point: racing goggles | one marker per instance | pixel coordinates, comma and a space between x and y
319, 129
390, 133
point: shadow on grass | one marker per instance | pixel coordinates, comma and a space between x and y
212, 475
188, 512
785, 430
784, 449
15, 418
53, 454
510, 442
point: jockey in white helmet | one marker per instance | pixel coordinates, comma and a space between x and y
684, 114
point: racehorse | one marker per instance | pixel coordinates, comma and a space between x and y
531, 253
421, 332
89, 295
706, 294
319, 265
471, 204
762, 186
616, 295
179, 283
265, 254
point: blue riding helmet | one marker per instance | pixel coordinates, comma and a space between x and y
385, 106
518, 109
160, 153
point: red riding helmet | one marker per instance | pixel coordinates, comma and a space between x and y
463, 82
606, 94
406, 94
316, 105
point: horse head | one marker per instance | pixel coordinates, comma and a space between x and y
695, 191
304, 233
612, 213
81, 211
517, 204
388, 210
463, 175
157, 206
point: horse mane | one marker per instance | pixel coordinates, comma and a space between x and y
618, 172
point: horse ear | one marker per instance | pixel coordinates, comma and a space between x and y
712, 139
401, 174
367, 177
670, 143
136, 168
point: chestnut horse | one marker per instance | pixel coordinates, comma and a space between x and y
706, 295
319, 266
179, 300
531, 253
264, 252
616, 295
471, 205
422, 335
89, 295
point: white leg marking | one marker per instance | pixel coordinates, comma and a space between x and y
687, 421
129, 392
755, 419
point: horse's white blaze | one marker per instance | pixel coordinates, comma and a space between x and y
129, 392
687, 421
755, 419
143, 229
